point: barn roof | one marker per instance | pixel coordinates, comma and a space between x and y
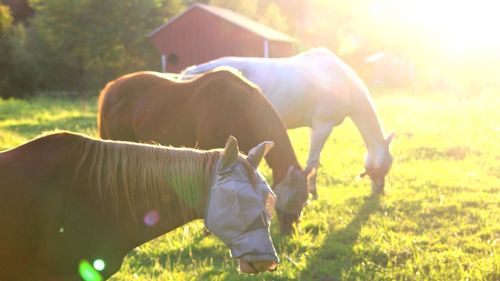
237, 19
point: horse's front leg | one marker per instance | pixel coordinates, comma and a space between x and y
320, 130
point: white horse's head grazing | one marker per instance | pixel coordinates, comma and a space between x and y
377, 164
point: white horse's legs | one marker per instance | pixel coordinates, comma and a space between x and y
320, 131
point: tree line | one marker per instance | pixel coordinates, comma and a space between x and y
78, 45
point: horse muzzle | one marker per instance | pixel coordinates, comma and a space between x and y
256, 267
255, 251
287, 221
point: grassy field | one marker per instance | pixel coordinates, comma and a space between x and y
440, 218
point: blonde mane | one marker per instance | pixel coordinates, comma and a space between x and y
148, 175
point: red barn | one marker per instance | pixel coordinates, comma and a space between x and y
205, 32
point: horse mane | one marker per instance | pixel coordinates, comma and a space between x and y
145, 174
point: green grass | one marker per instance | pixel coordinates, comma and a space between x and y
438, 221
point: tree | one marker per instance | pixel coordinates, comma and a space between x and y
20, 9
16, 73
273, 17
5, 19
5, 58
81, 44
247, 8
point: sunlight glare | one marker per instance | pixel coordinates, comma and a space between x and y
458, 25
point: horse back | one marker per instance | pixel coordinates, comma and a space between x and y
225, 104
131, 106
148, 107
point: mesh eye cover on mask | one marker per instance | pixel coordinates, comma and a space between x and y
234, 205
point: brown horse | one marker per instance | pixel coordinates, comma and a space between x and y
203, 112
72, 207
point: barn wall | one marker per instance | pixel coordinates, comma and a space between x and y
282, 49
198, 36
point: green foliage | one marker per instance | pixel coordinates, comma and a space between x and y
5, 19
170, 8
266, 12
247, 7
83, 44
16, 74
272, 17
438, 221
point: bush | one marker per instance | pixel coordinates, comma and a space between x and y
16, 72
80, 45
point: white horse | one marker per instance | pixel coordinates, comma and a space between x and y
318, 90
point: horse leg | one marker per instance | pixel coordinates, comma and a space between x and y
320, 130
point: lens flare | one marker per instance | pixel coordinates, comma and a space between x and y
151, 218
87, 272
99, 265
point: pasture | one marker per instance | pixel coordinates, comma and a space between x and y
438, 221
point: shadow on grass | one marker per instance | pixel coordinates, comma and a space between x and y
332, 261
337, 256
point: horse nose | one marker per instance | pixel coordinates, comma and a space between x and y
287, 221
286, 229
256, 267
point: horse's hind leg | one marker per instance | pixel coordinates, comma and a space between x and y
320, 130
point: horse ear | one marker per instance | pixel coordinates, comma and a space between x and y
389, 138
294, 174
230, 154
256, 154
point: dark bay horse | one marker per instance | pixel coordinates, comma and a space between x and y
203, 112
72, 207
316, 89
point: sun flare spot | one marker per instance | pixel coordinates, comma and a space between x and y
99, 265
151, 218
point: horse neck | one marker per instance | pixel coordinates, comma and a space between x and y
365, 118
154, 194
280, 158
268, 127
186, 194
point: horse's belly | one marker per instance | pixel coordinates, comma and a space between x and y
294, 111
295, 120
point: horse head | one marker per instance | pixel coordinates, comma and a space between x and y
239, 208
292, 193
378, 167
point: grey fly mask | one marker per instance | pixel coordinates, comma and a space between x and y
238, 212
